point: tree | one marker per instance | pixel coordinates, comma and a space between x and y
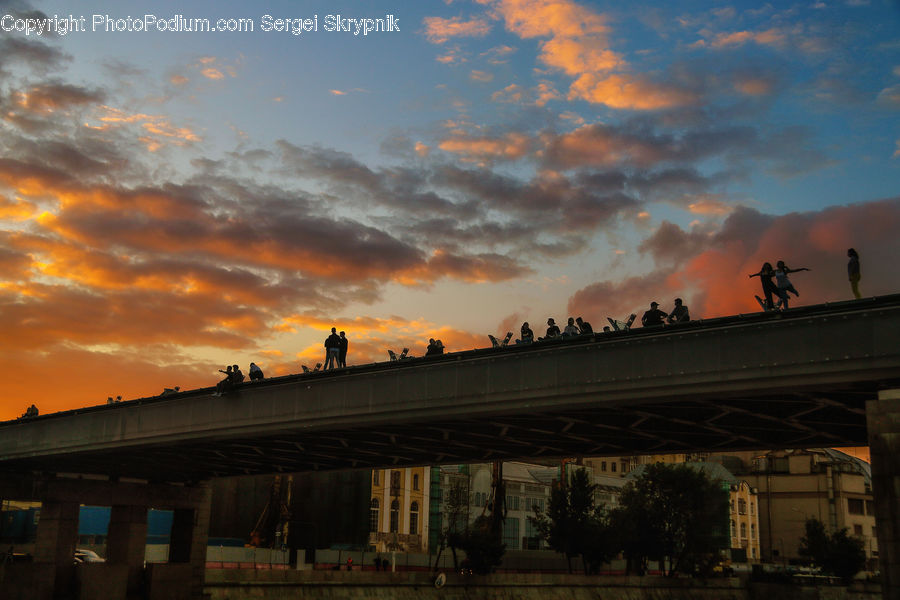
674, 514
572, 524
837, 554
456, 509
483, 547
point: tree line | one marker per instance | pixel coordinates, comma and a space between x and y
674, 515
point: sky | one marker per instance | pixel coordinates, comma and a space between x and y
173, 201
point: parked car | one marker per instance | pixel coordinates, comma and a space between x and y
83, 555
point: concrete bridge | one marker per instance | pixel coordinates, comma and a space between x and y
816, 376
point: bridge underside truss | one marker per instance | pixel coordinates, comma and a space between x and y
791, 420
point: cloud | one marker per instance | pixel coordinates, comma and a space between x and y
438, 30
510, 146
769, 37
890, 96
577, 44
709, 267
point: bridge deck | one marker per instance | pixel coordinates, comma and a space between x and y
779, 380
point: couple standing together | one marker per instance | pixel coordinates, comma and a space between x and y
336, 350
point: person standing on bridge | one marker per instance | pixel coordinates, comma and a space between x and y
332, 349
784, 284
766, 273
853, 272
342, 354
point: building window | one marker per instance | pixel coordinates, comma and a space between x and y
415, 482
752, 531
414, 518
743, 531
857, 530
395, 483
732, 505
373, 515
870, 507
603, 465
855, 506
742, 506
612, 467
753, 552
752, 507
733, 530
511, 534
395, 516
375, 477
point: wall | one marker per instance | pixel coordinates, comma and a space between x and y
284, 585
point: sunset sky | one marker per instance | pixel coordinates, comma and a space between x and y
174, 201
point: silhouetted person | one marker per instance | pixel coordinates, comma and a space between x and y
236, 375
332, 349
226, 384
527, 335
584, 326
653, 317
679, 314
783, 284
552, 330
433, 349
853, 272
570, 329
766, 273
256, 374
31, 412
342, 350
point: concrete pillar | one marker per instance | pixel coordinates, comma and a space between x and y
126, 541
883, 418
190, 532
57, 535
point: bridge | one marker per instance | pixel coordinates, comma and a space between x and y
806, 377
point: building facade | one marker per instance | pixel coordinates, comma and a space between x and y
399, 509
822, 484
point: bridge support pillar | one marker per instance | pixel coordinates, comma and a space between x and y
883, 417
54, 545
126, 541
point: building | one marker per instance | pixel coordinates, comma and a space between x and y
823, 484
399, 509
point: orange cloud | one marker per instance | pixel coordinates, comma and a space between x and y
629, 92
160, 128
754, 86
770, 37
510, 146
438, 30
578, 46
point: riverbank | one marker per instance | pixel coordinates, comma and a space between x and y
240, 584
